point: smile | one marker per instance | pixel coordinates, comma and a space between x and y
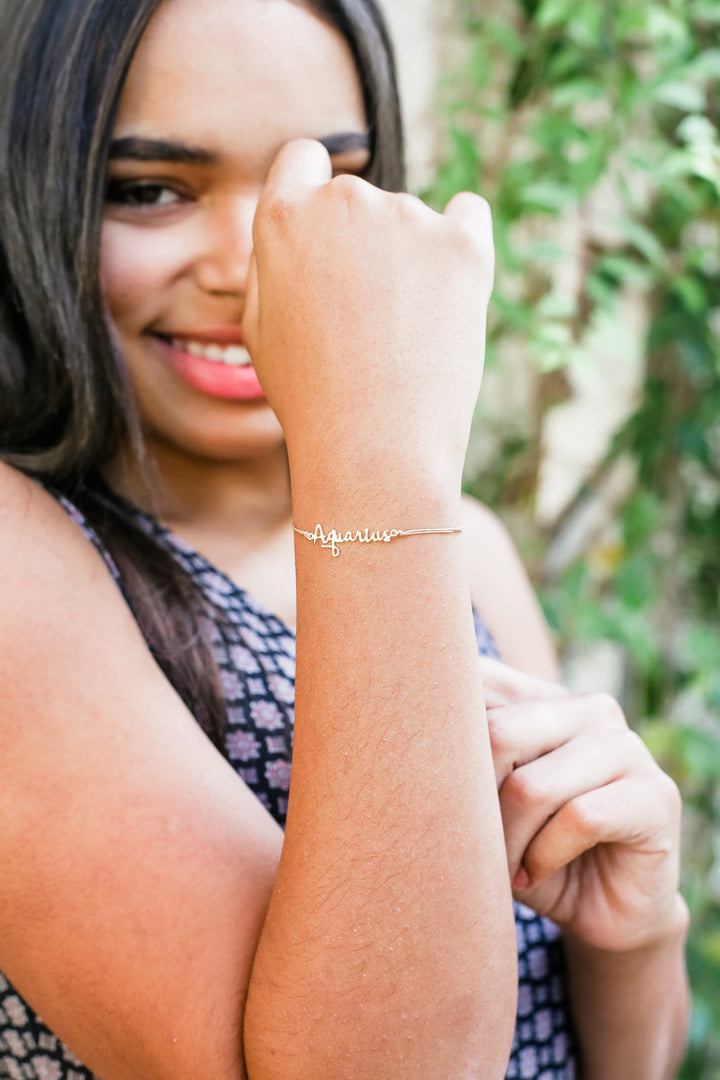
221, 371
232, 355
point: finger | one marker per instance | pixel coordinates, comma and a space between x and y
630, 811
534, 793
299, 169
473, 216
523, 731
503, 684
472, 213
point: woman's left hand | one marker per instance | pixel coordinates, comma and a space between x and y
592, 824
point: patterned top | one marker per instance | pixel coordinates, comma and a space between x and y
255, 653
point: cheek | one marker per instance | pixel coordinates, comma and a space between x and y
138, 269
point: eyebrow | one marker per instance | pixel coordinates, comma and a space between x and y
135, 148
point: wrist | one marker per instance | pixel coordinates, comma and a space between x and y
395, 496
668, 935
338, 459
631, 1006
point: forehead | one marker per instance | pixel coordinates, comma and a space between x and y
246, 72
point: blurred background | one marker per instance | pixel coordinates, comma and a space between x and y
591, 126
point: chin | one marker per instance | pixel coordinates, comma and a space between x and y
253, 434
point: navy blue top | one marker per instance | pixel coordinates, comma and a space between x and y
255, 653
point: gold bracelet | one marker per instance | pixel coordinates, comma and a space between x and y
362, 536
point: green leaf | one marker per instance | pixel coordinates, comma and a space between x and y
644, 241
664, 26
706, 11
697, 130
691, 293
621, 270
548, 196
573, 92
706, 65
680, 95
553, 13
700, 648
641, 518
556, 305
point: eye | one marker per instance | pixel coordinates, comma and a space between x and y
141, 193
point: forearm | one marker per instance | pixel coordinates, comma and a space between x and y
389, 948
631, 1008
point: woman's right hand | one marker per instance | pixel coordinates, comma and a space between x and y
365, 318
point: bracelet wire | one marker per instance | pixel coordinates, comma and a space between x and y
333, 538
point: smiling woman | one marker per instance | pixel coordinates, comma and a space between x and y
177, 237
222, 317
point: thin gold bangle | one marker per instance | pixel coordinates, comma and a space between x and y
333, 538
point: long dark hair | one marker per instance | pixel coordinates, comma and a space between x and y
65, 405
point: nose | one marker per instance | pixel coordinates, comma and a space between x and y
221, 266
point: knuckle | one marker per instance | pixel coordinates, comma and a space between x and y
522, 790
470, 202
410, 207
582, 817
643, 762
608, 710
478, 201
274, 210
539, 862
504, 757
350, 189
474, 217
497, 732
637, 747
468, 243
672, 793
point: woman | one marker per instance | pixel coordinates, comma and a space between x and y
168, 205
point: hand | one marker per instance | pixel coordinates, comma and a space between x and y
591, 823
365, 318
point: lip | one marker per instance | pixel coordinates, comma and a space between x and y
210, 376
220, 335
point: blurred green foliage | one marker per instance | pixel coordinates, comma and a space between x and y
560, 105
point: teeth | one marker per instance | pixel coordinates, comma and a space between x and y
234, 355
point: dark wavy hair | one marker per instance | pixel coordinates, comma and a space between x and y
65, 405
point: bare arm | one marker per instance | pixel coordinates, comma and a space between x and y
403, 921
629, 991
503, 596
136, 869
632, 1006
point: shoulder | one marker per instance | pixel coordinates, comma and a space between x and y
34, 530
41, 546
120, 821
502, 593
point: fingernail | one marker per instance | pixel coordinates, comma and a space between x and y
521, 879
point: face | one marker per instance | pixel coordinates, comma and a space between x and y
214, 91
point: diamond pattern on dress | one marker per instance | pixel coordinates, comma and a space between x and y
255, 653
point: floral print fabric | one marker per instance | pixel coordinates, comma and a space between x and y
255, 653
